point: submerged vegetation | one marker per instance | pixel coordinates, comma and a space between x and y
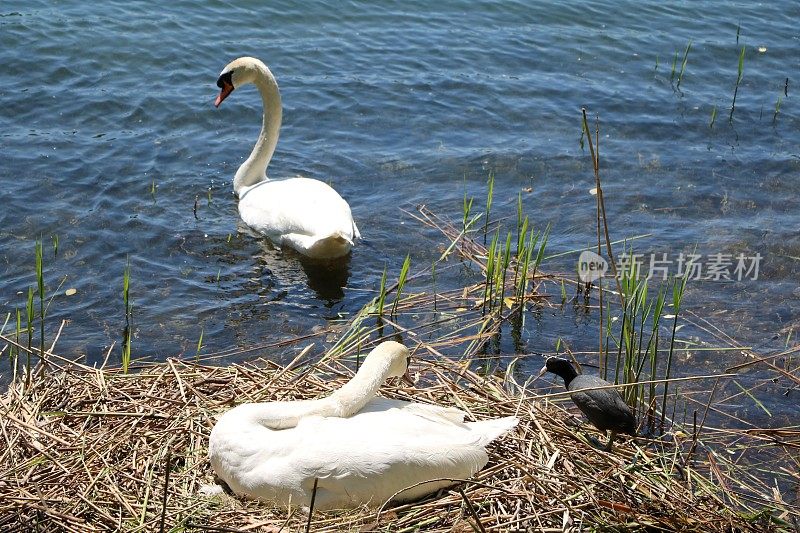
677, 74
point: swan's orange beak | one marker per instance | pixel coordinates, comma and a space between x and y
225, 83
226, 89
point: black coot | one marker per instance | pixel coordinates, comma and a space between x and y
604, 408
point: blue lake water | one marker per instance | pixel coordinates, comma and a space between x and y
109, 139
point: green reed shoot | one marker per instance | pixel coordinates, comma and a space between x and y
678, 291
2, 329
674, 65
563, 293
126, 350
755, 400
683, 65
126, 344
401, 281
506, 258
740, 70
522, 233
126, 284
153, 189
382, 294
651, 351
524, 256
433, 275
55, 245
29, 309
777, 110
40, 285
490, 268
522, 230
199, 345
17, 335
713, 116
13, 350
498, 272
637, 339
467, 207
489, 196
464, 231
219, 271
540, 253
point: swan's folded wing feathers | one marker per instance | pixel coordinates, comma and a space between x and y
378, 469
296, 206
433, 413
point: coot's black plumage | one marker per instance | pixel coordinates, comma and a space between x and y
604, 408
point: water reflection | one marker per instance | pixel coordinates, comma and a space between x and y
327, 278
283, 268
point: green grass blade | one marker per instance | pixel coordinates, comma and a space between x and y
401, 282
683, 64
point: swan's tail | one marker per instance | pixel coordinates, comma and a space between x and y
341, 238
337, 244
491, 429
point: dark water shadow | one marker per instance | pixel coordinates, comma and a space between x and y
327, 278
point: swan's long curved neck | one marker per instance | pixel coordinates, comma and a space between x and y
344, 402
254, 169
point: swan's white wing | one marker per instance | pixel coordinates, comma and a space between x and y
296, 206
387, 447
371, 456
433, 413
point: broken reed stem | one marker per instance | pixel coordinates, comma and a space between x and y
601, 202
167, 468
311, 506
472, 511
601, 213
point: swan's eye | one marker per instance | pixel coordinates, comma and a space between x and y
225, 79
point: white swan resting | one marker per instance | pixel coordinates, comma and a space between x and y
305, 214
361, 449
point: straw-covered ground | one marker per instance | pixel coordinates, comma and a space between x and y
100, 449
96, 449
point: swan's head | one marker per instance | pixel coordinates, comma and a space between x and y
237, 73
393, 355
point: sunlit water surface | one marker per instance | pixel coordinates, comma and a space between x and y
110, 142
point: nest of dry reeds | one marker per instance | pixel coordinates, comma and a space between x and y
87, 449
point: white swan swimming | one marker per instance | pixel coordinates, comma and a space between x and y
305, 214
360, 449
